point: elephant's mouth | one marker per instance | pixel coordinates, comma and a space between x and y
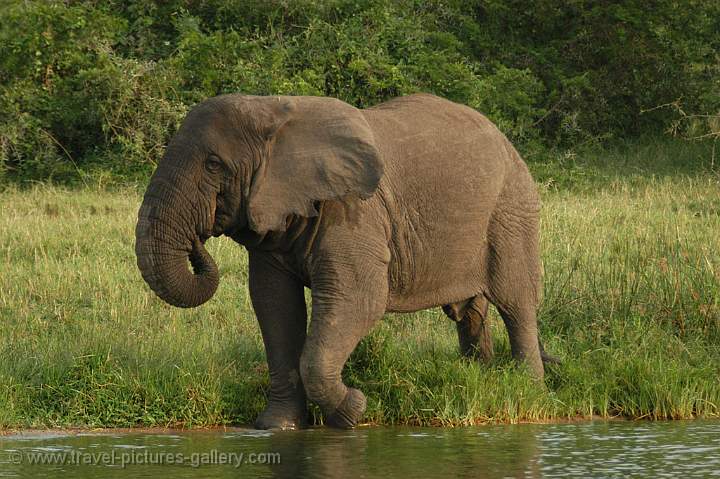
227, 223
220, 225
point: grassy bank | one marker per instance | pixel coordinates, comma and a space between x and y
632, 306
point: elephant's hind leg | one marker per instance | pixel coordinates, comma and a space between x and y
514, 279
473, 327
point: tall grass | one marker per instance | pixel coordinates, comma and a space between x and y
631, 306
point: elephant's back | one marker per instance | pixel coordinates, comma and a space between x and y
419, 112
433, 148
428, 131
445, 167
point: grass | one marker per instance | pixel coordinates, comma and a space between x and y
631, 305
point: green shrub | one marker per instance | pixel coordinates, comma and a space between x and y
139, 106
89, 86
47, 122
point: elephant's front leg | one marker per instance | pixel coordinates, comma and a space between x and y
348, 299
279, 302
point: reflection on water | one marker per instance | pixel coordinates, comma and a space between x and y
614, 449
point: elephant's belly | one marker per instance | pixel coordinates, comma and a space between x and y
438, 252
444, 294
444, 276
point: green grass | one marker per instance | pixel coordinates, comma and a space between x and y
631, 305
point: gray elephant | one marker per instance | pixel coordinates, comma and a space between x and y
414, 203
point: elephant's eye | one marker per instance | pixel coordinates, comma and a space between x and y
213, 164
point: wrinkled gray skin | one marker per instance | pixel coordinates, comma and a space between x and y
414, 203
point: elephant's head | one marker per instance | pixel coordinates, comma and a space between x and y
242, 162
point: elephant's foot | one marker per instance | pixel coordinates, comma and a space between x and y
350, 410
283, 415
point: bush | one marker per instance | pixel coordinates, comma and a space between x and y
87, 85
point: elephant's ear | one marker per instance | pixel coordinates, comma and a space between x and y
319, 149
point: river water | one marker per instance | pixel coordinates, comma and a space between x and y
599, 449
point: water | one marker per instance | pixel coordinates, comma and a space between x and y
600, 449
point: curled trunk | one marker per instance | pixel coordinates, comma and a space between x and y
166, 247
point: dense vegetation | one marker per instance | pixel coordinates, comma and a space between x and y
93, 88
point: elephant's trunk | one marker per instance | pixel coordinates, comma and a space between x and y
164, 243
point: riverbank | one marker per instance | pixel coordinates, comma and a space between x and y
631, 306
249, 428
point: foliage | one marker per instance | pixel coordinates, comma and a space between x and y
90, 85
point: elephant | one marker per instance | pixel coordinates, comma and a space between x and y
414, 203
